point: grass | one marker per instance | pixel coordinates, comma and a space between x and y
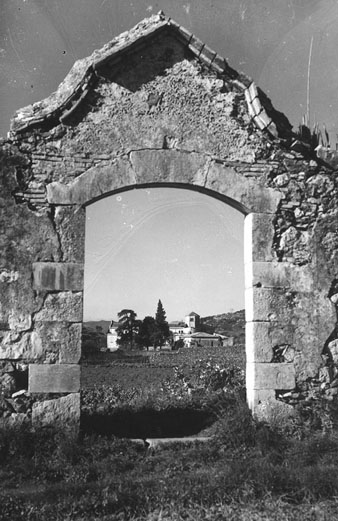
250, 471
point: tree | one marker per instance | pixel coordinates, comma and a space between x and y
128, 328
162, 327
147, 332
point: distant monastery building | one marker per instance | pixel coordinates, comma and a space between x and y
187, 330
112, 336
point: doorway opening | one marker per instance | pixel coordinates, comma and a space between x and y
171, 252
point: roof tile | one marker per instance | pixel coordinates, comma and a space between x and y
196, 45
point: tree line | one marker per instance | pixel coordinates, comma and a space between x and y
137, 334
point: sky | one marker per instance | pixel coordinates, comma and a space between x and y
268, 40
176, 245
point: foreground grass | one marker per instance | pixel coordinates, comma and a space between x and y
249, 471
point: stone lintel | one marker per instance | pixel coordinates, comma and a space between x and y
169, 166
258, 237
58, 276
262, 376
54, 378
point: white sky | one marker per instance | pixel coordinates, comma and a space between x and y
176, 245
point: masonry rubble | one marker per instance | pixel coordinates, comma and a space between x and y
207, 127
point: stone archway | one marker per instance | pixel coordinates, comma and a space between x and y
156, 106
263, 277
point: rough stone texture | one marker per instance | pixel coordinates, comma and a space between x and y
61, 413
18, 346
70, 227
270, 376
15, 420
61, 341
95, 182
170, 166
57, 276
60, 307
262, 337
257, 397
7, 384
54, 378
25, 237
268, 304
278, 275
258, 238
216, 128
169, 112
333, 350
274, 411
250, 193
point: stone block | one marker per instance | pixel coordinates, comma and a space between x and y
258, 238
171, 166
58, 276
19, 321
278, 275
70, 352
333, 350
62, 413
70, 225
250, 195
54, 378
61, 307
61, 339
270, 376
267, 305
92, 184
274, 412
262, 337
257, 342
26, 346
255, 397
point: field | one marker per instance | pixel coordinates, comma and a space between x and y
247, 471
156, 367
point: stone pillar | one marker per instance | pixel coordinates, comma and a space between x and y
58, 325
266, 308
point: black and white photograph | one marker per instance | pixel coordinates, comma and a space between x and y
169, 260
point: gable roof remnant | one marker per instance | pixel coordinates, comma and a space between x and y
81, 79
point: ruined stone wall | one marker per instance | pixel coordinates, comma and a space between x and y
306, 238
160, 117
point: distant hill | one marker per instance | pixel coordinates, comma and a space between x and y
93, 324
228, 324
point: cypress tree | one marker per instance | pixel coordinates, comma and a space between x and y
162, 326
